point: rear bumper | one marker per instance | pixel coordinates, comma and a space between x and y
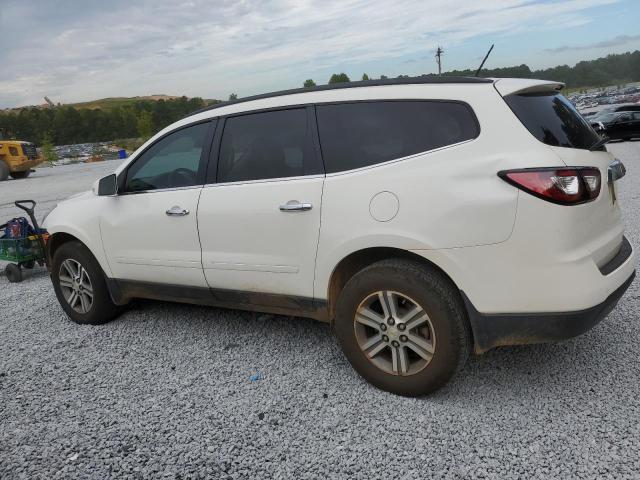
498, 329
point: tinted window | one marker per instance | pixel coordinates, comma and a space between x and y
355, 135
266, 145
171, 162
553, 120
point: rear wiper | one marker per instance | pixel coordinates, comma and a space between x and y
599, 143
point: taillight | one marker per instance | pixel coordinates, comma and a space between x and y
564, 186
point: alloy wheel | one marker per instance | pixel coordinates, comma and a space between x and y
394, 333
75, 285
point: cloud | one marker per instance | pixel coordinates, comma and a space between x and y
92, 49
612, 42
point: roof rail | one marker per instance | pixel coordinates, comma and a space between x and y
425, 79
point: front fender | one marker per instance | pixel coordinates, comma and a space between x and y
80, 220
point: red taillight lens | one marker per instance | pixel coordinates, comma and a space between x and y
564, 186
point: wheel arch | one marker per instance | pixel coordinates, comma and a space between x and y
357, 260
59, 238
56, 240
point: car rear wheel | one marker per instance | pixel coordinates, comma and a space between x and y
80, 285
403, 327
18, 175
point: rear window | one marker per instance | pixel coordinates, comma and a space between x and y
355, 135
552, 119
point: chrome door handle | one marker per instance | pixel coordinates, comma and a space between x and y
177, 211
295, 206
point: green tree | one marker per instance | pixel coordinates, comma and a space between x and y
145, 124
233, 96
48, 153
365, 77
309, 83
339, 78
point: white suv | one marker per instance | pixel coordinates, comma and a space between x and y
422, 218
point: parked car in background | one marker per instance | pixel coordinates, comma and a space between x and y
627, 107
422, 218
618, 125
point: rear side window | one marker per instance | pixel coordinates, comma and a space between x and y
265, 145
553, 120
355, 135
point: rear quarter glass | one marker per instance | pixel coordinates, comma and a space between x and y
552, 119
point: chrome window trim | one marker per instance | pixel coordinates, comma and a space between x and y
266, 180
172, 189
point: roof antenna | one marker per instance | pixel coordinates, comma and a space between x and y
485, 59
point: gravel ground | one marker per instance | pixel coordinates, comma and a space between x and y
166, 391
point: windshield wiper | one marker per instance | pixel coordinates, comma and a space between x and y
599, 143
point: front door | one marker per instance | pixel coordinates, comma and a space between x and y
259, 223
149, 230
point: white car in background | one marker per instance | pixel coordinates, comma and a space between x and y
423, 218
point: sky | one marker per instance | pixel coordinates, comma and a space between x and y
82, 50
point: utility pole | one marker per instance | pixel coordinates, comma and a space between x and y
439, 53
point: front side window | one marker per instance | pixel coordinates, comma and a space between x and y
266, 145
553, 120
173, 161
355, 135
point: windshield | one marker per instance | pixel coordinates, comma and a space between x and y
552, 119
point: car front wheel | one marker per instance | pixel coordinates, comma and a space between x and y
403, 327
80, 285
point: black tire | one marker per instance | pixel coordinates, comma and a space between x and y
102, 309
19, 175
440, 300
13, 273
4, 171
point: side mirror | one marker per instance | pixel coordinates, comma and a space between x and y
108, 186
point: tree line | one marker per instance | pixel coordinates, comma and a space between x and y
62, 125
615, 69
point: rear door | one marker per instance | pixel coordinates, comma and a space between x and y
259, 222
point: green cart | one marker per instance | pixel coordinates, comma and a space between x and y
24, 251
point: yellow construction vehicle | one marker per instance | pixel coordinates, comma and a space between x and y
17, 158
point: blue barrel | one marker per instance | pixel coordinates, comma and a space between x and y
122, 153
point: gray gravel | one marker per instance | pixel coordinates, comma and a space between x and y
165, 391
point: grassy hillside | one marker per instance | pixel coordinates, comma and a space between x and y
115, 102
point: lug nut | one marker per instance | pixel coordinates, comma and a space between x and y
403, 338
395, 343
401, 326
383, 327
391, 321
385, 338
